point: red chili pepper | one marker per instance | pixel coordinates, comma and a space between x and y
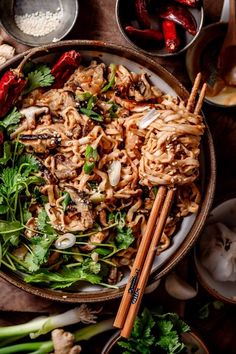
192, 3
179, 15
11, 86
172, 41
64, 67
146, 34
142, 13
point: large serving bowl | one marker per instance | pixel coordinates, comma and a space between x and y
190, 226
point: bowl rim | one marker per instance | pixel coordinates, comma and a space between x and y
30, 44
154, 54
113, 339
197, 264
210, 180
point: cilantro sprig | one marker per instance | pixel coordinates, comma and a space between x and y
40, 77
155, 331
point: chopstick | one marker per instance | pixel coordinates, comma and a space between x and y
141, 269
127, 328
139, 260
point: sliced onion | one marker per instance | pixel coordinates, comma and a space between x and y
84, 140
148, 118
114, 173
65, 241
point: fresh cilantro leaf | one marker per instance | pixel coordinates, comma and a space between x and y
124, 235
66, 278
6, 153
28, 163
39, 252
91, 114
10, 231
111, 82
154, 332
11, 119
142, 339
43, 223
40, 77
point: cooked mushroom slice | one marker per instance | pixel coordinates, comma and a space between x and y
30, 114
84, 217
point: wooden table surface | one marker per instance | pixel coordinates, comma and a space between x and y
96, 20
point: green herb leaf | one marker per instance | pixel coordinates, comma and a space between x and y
7, 155
124, 235
111, 82
11, 119
10, 231
91, 114
40, 77
67, 277
39, 252
43, 223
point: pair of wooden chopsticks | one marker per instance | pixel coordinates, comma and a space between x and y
141, 268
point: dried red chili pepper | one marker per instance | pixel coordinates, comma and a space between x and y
192, 3
142, 13
64, 67
11, 86
172, 40
146, 34
179, 15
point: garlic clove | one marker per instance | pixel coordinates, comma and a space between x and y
2, 60
179, 288
7, 51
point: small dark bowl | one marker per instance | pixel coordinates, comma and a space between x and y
125, 15
190, 338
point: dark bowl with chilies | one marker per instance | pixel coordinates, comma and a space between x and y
160, 29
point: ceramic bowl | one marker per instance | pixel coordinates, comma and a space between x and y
190, 226
9, 9
125, 15
203, 56
225, 212
191, 340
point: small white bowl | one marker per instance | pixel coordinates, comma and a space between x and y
225, 213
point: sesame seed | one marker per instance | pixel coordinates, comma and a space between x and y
38, 23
